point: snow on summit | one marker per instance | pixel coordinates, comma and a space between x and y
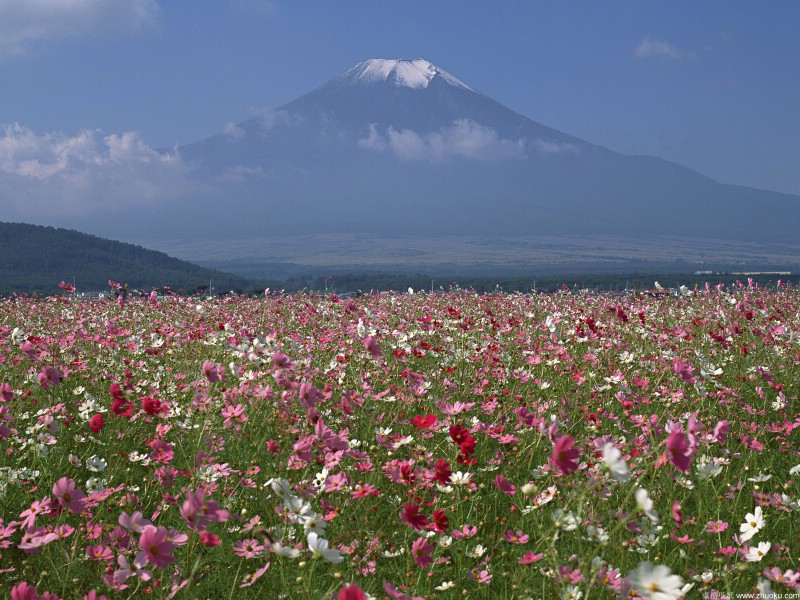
414, 74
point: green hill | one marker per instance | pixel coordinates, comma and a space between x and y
34, 259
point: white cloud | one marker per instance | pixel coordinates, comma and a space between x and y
271, 117
648, 48
550, 147
56, 174
464, 138
26, 23
242, 173
233, 132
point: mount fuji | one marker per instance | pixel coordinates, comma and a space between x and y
402, 149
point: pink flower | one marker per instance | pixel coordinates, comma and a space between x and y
336, 483
250, 548
676, 513
716, 526
198, 512
126, 569
37, 507
721, 431
482, 576
515, 538
564, 455
67, 287
394, 594
504, 485
70, 498
530, 558
214, 371
253, 577
371, 344
156, 548
48, 377
24, 591
678, 449
421, 551
100, 552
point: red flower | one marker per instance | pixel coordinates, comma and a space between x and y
351, 592
152, 406
96, 423
440, 521
411, 516
209, 539
443, 471
424, 422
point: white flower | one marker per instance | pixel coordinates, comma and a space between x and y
790, 503
445, 585
95, 484
757, 553
759, 478
286, 551
616, 465
298, 509
74, 460
313, 522
477, 552
459, 478
795, 470
96, 464
646, 504
319, 546
656, 582
281, 487
571, 593
753, 523
565, 520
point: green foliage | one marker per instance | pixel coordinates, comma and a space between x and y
36, 258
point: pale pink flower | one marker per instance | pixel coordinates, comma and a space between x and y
70, 498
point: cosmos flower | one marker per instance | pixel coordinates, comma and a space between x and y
656, 582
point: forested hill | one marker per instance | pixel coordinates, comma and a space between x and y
35, 259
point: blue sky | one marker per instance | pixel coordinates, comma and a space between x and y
713, 85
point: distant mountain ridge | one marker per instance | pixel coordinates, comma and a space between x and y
37, 258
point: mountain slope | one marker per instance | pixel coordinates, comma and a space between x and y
36, 258
396, 147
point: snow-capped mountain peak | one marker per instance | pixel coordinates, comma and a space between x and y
414, 74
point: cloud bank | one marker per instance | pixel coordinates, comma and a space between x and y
463, 139
649, 48
83, 175
27, 23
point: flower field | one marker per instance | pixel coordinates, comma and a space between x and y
450, 445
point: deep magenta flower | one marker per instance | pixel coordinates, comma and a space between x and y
411, 516
564, 456
678, 449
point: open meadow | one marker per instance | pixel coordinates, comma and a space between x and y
452, 445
